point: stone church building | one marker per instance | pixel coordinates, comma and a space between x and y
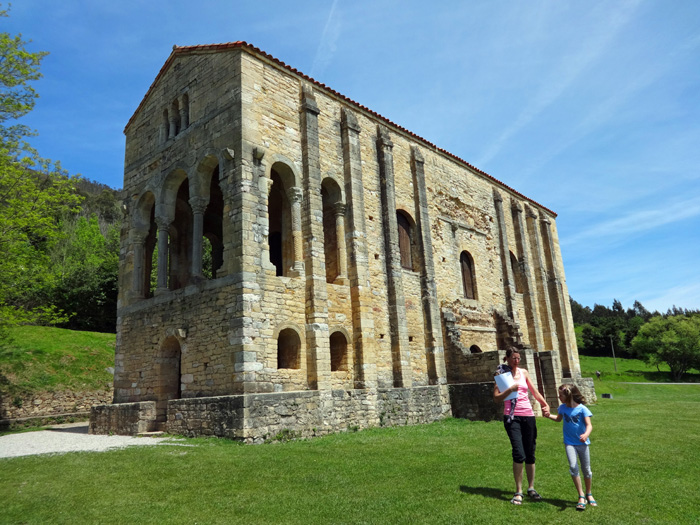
291, 261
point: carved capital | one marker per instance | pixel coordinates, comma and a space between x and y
497, 197
163, 223
339, 209
295, 194
138, 236
198, 204
516, 206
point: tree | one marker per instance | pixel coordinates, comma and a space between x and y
85, 265
34, 192
673, 340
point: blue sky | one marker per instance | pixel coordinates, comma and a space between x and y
590, 108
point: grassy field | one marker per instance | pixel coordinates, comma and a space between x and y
42, 358
454, 471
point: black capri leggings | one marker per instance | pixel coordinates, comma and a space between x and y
522, 431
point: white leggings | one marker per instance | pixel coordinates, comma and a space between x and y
572, 451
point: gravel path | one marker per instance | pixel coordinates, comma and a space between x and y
71, 437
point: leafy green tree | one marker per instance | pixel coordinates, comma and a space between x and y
34, 192
85, 265
674, 340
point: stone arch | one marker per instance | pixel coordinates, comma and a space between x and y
466, 263
474, 349
167, 368
144, 236
286, 168
209, 201
176, 122
339, 338
288, 349
408, 247
333, 211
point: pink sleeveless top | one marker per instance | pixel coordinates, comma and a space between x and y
522, 404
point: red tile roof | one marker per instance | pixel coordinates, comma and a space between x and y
177, 50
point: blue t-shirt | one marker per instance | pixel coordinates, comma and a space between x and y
574, 423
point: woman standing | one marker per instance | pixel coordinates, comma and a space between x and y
520, 425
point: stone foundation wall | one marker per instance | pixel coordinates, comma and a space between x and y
255, 418
128, 419
474, 401
43, 404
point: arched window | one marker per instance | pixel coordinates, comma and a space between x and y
181, 239
474, 349
468, 278
517, 273
213, 228
405, 240
280, 238
339, 352
164, 126
288, 349
330, 196
175, 116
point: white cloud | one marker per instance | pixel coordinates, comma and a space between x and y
638, 222
328, 45
569, 71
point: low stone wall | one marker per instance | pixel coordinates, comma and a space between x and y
255, 418
475, 401
45, 404
127, 419
587, 388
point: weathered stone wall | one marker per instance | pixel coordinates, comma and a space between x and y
124, 418
475, 401
255, 418
51, 403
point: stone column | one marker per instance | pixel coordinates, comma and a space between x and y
184, 112
172, 130
567, 339
431, 313
540, 271
264, 187
163, 224
529, 298
198, 205
138, 277
508, 281
339, 213
401, 358
365, 368
317, 333
295, 197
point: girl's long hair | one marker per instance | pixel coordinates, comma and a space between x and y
571, 392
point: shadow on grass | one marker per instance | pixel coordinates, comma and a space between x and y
505, 495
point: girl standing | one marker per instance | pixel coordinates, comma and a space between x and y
577, 429
520, 425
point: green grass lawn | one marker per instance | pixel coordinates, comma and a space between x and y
43, 358
629, 370
644, 458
